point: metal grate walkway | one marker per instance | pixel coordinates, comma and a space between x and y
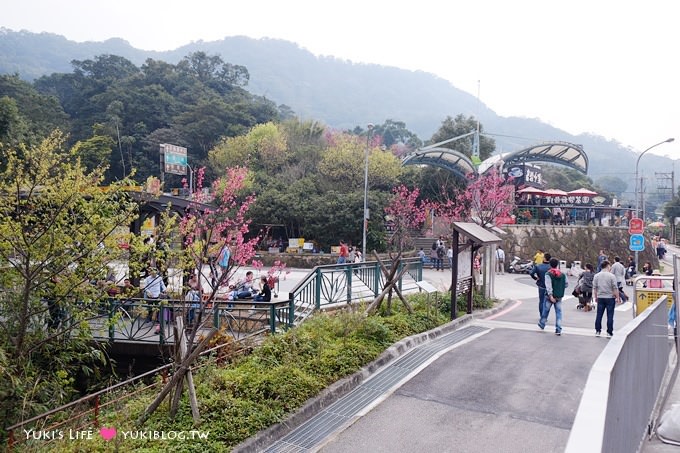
314, 431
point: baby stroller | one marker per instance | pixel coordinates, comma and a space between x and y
585, 299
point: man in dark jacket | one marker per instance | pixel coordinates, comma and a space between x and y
538, 274
555, 284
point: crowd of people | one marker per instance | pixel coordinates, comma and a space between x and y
153, 288
600, 288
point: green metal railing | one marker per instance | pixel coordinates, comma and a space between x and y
128, 320
339, 284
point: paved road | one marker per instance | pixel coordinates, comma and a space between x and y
512, 388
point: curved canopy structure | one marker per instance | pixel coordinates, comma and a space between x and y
448, 159
562, 153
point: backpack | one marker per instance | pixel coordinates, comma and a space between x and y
441, 252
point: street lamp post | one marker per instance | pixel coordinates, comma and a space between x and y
637, 198
364, 220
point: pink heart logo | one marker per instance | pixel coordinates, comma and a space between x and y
107, 433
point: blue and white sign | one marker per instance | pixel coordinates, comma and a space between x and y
637, 243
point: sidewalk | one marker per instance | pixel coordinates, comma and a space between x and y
458, 386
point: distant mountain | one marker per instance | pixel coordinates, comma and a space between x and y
340, 93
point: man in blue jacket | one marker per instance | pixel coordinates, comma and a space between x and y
538, 274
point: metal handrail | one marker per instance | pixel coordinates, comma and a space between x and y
127, 319
339, 284
582, 217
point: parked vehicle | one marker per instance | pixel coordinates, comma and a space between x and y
520, 266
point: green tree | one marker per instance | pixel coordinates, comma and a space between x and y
58, 232
95, 152
13, 127
461, 125
269, 143
343, 164
395, 132
230, 152
27, 116
212, 71
671, 211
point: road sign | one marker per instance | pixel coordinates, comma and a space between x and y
637, 226
646, 297
174, 159
637, 243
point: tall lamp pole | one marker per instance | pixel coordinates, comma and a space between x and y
364, 220
637, 198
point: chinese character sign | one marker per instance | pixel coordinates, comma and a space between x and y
569, 199
174, 159
526, 175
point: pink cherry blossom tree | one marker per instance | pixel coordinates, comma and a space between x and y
485, 199
215, 219
406, 213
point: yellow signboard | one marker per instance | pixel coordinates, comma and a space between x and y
644, 298
149, 226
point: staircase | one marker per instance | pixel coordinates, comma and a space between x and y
426, 245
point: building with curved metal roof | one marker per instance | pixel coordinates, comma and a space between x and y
560, 153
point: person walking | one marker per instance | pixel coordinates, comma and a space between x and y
441, 254
154, 289
631, 270
538, 274
600, 259
606, 293
449, 255
539, 257
344, 253
477, 269
438, 254
500, 260
619, 272
585, 282
433, 255
555, 284
661, 249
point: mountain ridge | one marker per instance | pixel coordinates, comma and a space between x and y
338, 92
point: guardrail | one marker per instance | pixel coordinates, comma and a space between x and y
143, 321
623, 386
578, 215
332, 285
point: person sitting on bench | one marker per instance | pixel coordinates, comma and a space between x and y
244, 290
265, 291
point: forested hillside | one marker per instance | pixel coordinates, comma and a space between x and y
293, 82
336, 92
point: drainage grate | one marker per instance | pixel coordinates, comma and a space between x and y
315, 430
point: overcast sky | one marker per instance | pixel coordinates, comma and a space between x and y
600, 66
